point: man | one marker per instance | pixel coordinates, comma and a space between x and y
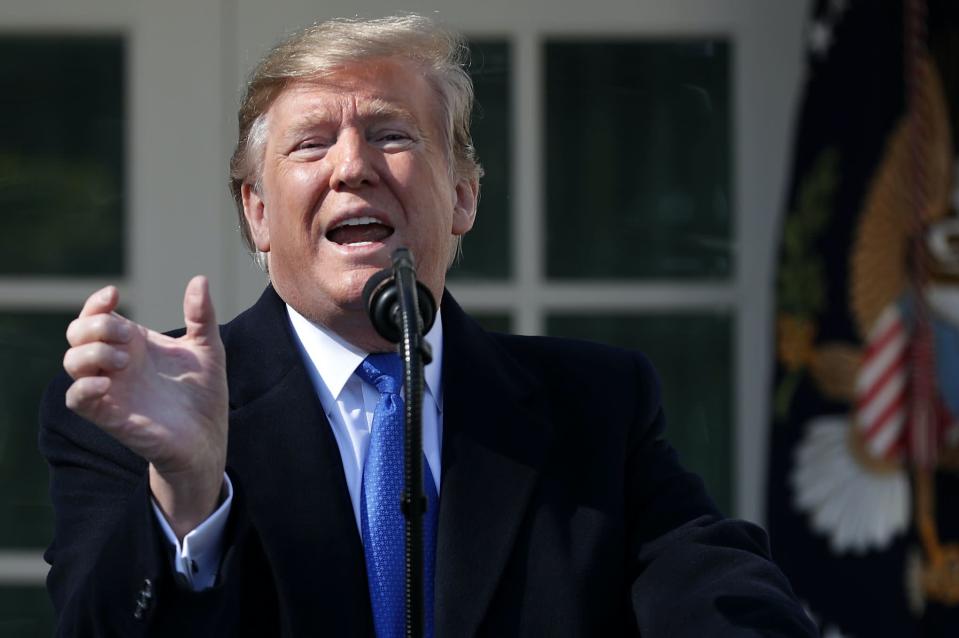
215, 483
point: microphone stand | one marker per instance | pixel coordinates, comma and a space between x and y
414, 502
399, 320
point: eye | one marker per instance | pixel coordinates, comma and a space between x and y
310, 147
392, 139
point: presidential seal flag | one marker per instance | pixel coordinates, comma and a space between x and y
865, 435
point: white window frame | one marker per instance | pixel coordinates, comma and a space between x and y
175, 201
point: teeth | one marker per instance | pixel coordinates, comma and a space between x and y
360, 243
358, 221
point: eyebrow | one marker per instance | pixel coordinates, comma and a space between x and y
384, 110
374, 110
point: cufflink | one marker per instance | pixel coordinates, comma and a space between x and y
144, 599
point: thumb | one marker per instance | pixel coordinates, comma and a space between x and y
198, 314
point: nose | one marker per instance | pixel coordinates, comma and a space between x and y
352, 162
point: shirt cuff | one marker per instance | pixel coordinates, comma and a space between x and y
199, 555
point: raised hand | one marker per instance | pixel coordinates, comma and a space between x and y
164, 398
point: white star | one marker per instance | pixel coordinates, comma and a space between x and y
838, 7
832, 632
820, 38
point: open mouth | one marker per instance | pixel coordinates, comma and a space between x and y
359, 231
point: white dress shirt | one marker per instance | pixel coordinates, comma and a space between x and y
348, 403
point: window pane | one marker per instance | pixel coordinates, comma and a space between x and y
693, 355
486, 249
61, 155
638, 160
31, 351
25, 612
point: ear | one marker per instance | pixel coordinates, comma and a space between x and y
464, 208
254, 209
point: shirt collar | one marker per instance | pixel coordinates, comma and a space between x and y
335, 359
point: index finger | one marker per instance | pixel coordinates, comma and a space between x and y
102, 301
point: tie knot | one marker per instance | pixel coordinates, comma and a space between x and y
383, 371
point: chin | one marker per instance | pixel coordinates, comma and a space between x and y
349, 293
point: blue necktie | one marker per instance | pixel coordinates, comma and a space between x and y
381, 517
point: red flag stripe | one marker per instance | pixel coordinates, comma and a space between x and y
897, 367
891, 394
894, 327
888, 437
896, 407
875, 366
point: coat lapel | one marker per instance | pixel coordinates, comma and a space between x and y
284, 456
494, 435
283, 453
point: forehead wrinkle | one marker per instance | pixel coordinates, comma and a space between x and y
326, 120
365, 109
312, 119
379, 109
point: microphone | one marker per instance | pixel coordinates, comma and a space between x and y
383, 291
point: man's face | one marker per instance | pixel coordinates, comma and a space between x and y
354, 167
